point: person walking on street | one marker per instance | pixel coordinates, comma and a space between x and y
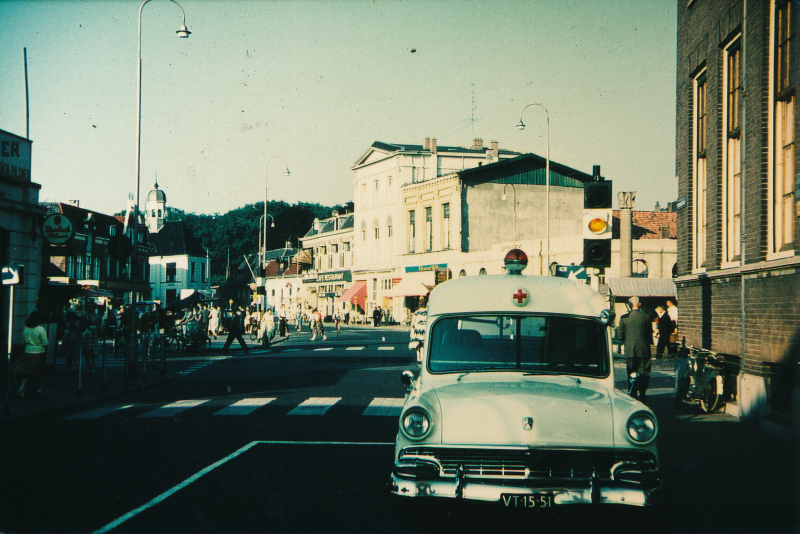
32, 364
213, 321
376, 316
665, 329
266, 327
282, 325
235, 331
636, 330
418, 321
319, 327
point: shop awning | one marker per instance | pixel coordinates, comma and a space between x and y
642, 287
357, 291
413, 285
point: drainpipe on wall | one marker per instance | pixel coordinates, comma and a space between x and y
743, 219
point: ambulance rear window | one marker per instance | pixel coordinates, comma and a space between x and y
530, 343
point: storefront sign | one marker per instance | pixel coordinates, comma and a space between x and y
58, 229
423, 268
339, 276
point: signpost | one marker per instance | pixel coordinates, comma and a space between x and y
11, 276
572, 272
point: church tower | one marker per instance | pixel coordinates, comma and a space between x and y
155, 209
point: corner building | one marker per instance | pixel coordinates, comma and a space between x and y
738, 273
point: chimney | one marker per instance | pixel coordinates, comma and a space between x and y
335, 213
596, 174
316, 225
477, 144
433, 144
494, 147
426, 143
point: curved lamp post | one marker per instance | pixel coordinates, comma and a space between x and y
262, 253
521, 126
285, 173
183, 33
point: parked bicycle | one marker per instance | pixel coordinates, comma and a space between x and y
699, 377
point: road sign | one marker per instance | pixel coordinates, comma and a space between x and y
573, 272
13, 275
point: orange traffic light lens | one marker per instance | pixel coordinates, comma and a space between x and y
597, 226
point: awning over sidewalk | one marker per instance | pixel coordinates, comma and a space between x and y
413, 285
642, 287
357, 291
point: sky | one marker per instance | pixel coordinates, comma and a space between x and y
316, 83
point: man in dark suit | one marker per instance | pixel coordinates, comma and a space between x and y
665, 329
636, 330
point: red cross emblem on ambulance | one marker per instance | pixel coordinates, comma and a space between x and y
520, 297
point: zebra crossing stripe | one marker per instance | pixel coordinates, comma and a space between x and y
323, 349
172, 409
384, 407
244, 406
315, 406
355, 348
385, 348
98, 412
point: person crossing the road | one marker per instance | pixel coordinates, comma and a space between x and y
235, 331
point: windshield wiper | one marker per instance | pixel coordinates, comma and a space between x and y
552, 373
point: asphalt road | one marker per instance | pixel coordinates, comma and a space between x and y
300, 438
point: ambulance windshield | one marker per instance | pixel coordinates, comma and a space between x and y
527, 343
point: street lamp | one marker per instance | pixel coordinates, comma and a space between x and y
521, 126
515, 209
285, 173
183, 33
263, 253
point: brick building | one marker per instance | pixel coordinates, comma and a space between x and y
738, 272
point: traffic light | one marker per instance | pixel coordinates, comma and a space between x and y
597, 221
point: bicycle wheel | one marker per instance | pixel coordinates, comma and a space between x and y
253, 333
710, 400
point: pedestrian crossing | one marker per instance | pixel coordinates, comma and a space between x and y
314, 406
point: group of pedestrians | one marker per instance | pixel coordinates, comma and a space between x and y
636, 331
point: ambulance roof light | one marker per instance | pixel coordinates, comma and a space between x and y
515, 261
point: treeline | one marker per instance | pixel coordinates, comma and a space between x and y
237, 232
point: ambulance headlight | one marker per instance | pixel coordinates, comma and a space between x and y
415, 423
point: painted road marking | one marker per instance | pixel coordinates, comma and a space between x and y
355, 348
244, 406
384, 407
172, 491
172, 409
315, 406
385, 348
98, 412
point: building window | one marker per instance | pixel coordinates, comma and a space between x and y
377, 232
193, 272
699, 182
482, 271
733, 159
79, 267
389, 233
428, 229
782, 187
639, 269
203, 272
363, 231
462, 273
412, 230
171, 272
446, 226
112, 231
153, 213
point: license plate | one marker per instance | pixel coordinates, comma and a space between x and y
539, 500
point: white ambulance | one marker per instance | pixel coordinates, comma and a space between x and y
515, 399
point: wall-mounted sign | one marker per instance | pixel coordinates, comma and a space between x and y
58, 229
680, 204
15, 157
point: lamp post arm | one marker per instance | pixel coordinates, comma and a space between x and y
266, 181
